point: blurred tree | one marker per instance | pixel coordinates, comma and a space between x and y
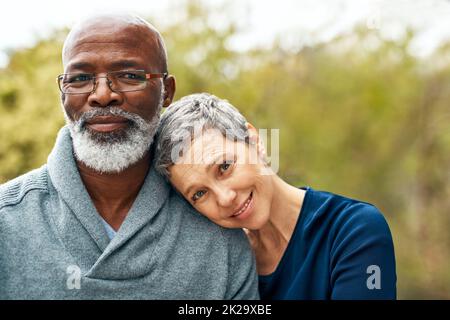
358, 115
29, 106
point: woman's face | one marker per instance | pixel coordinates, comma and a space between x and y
224, 180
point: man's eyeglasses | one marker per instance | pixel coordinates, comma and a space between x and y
118, 81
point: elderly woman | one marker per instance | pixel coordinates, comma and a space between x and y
308, 244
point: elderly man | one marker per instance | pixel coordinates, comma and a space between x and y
97, 221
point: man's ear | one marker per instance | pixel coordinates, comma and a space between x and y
169, 90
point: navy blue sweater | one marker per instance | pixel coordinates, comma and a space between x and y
340, 249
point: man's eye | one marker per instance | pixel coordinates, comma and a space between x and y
198, 195
79, 78
132, 76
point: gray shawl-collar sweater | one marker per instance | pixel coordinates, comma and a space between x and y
53, 244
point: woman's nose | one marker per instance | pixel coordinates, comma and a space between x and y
225, 196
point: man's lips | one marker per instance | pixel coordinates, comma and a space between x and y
107, 123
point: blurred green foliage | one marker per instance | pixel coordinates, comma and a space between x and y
358, 115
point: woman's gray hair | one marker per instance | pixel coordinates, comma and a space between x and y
181, 122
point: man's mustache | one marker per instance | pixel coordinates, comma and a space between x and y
109, 111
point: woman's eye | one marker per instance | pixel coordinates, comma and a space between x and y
198, 195
225, 166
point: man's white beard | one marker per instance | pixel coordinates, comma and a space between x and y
112, 152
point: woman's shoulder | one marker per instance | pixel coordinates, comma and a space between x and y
320, 201
342, 215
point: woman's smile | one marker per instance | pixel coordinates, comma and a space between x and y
245, 209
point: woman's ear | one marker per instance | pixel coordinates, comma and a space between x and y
255, 140
252, 133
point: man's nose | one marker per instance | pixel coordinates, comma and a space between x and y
103, 96
225, 196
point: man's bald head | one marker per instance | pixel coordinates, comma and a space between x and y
113, 27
